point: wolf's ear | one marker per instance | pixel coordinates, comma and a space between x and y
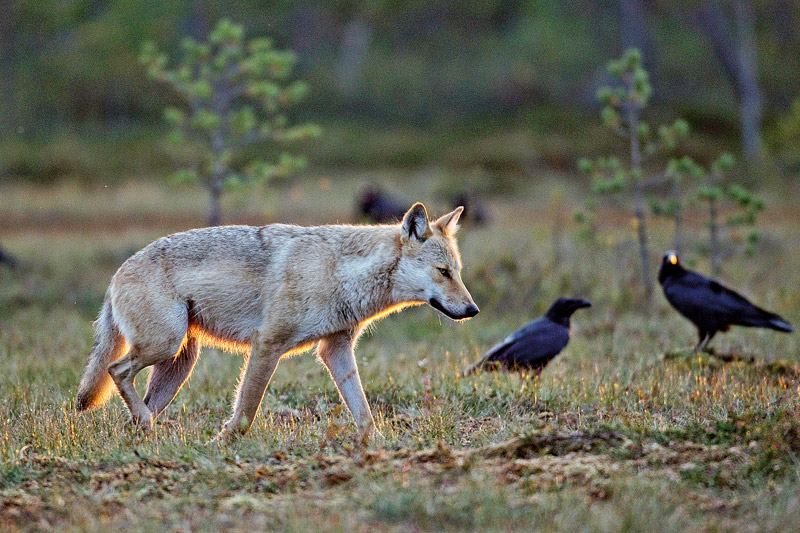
448, 224
415, 223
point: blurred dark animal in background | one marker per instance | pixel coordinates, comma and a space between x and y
379, 207
533, 346
709, 305
475, 212
7, 259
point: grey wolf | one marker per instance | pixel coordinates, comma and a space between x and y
533, 346
269, 292
709, 305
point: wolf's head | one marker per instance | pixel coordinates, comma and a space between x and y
429, 269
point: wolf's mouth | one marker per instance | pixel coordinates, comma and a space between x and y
436, 304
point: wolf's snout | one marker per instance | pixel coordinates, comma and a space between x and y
470, 311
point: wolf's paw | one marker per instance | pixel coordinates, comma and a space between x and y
230, 431
144, 425
368, 434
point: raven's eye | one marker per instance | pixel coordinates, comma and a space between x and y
445, 272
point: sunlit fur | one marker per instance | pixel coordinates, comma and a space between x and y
207, 339
269, 291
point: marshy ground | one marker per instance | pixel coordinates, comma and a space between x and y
626, 430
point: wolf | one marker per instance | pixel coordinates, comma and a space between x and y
267, 292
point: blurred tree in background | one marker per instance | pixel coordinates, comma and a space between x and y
237, 93
687, 180
622, 114
71, 82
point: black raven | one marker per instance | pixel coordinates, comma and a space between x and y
709, 305
533, 346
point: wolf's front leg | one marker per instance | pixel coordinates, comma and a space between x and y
264, 358
336, 352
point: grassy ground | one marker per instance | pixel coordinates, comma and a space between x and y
612, 436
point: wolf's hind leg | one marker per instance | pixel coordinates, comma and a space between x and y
124, 370
168, 376
336, 352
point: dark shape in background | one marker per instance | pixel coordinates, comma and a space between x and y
77, 102
377, 206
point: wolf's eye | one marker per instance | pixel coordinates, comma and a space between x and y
445, 272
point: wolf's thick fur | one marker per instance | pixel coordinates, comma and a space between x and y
270, 291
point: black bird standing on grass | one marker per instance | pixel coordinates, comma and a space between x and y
533, 346
709, 305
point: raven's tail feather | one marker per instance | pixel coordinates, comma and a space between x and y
480, 366
760, 318
779, 324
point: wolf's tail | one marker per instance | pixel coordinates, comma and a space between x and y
96, 384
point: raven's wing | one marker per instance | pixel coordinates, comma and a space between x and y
531, 346
690, 295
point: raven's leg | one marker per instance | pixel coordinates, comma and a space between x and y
702, 334
708, 340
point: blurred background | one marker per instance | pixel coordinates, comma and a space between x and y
485, 102
503, 86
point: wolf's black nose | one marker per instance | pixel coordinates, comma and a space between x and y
471, 311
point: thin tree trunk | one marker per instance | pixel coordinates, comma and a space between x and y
750, 101
713, 227
735, 46
634, 28
638, 199
353, 54
214, 214
218, 172
676, 198
557, 209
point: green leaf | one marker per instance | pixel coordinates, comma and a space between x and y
708, 192
174, 116
605, 95
681, 128
234, 182
295, 92
205, 120
631, 58
244, 120
610, 117
176, 138
299, 133
226, 32
724, 162
183, 176
615, 68
655, 207
585, 165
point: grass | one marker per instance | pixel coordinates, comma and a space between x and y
626, 430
